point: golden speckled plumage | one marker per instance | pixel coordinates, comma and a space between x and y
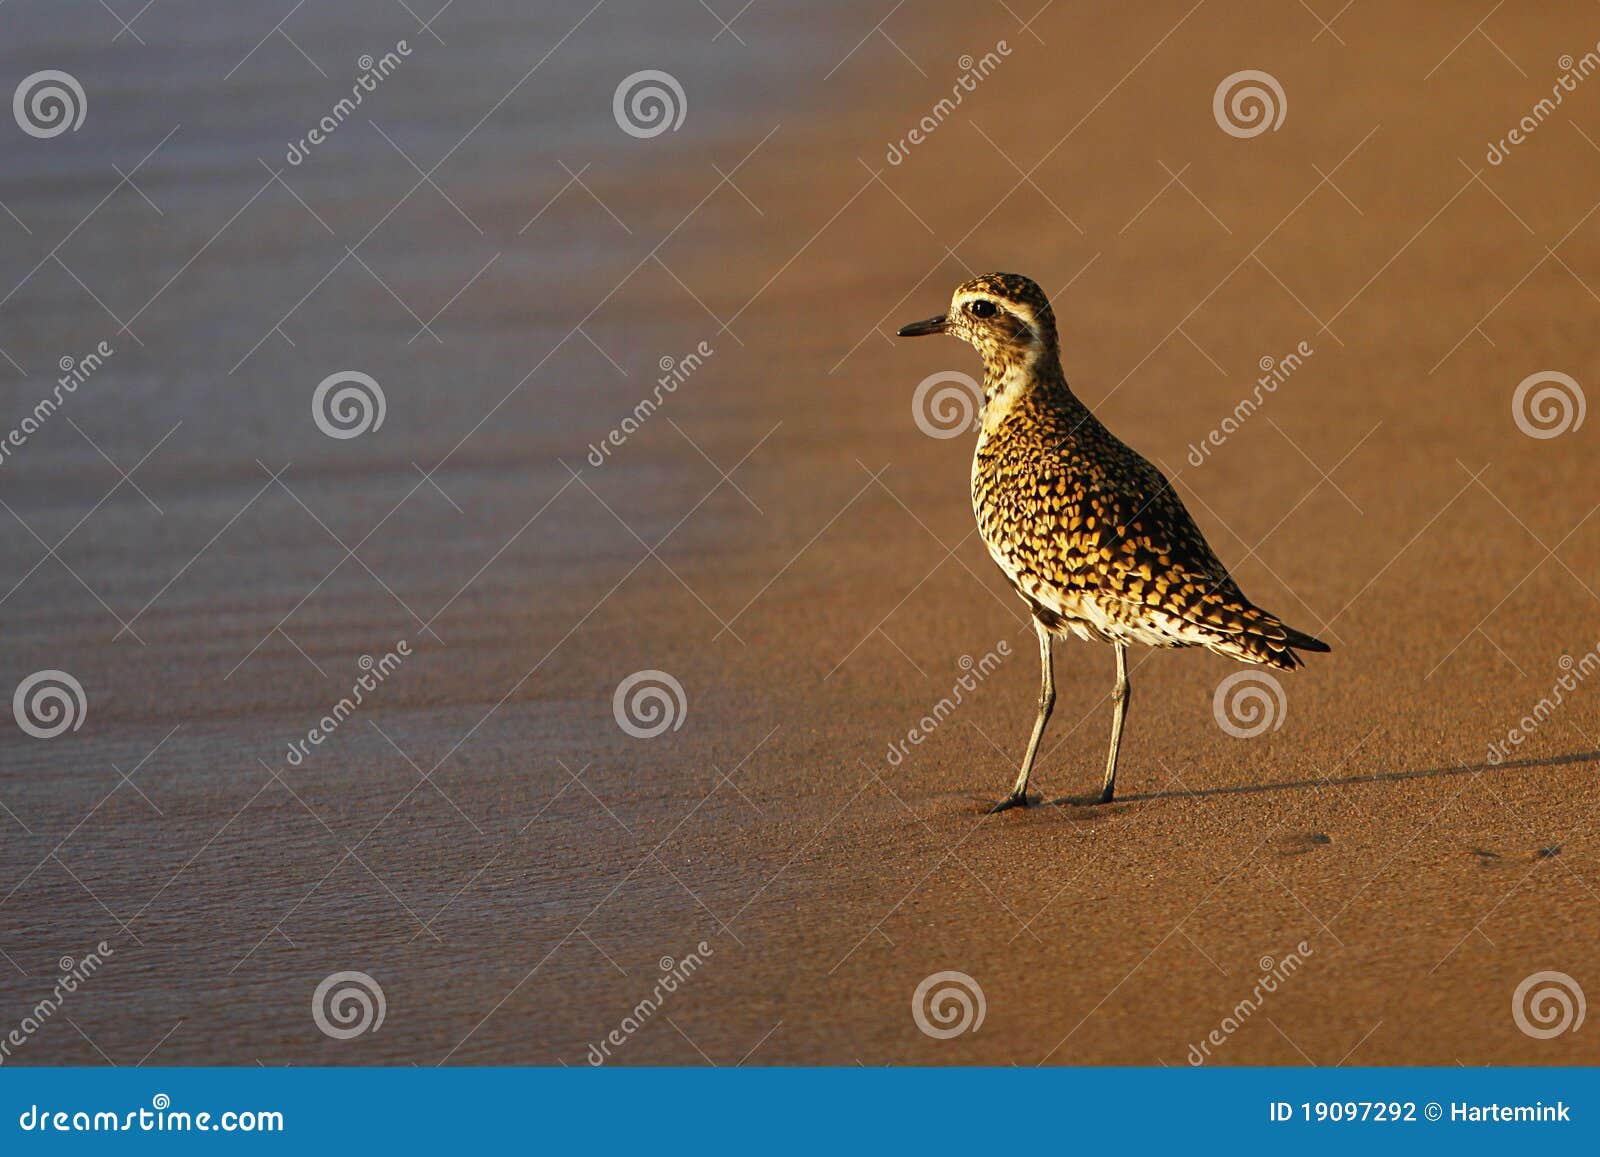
1097, 540
1092, 535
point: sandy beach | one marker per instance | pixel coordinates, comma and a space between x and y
644, 415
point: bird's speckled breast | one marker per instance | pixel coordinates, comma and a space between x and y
1086, 528
1032, 527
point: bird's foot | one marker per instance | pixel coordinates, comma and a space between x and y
1015, 799
1094, 799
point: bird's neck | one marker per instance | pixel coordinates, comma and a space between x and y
1016, 379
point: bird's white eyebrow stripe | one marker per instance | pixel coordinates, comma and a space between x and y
1020, 308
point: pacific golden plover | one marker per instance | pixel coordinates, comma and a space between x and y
1091, 535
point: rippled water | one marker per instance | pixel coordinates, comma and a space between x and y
445, 239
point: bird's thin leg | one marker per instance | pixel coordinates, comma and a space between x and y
1119, 710
1047, 700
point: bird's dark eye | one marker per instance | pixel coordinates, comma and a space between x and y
981, 308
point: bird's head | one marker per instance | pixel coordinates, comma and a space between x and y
1004, 316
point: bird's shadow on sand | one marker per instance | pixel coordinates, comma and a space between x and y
1093, 808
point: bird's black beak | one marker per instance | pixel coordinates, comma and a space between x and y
924, 328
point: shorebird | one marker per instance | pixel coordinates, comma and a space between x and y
1091, 535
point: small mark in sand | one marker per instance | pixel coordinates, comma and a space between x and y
1302, 842
1494, 859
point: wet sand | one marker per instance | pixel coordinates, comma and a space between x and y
485, 840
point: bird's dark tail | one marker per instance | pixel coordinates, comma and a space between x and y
1257, 636
1301, 641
